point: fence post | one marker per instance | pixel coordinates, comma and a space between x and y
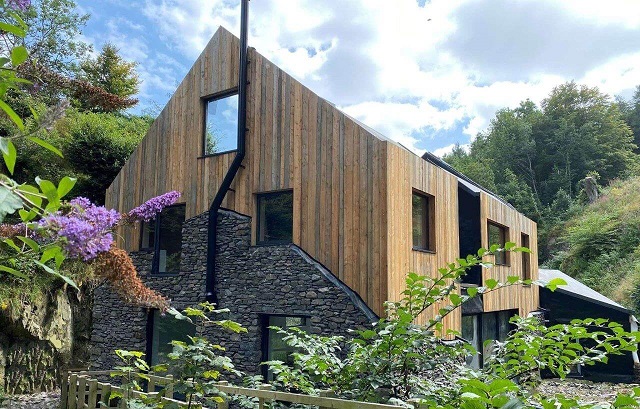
92, 403
263, 387
64, 389
225, 403
169, 387
325, 394
72, 398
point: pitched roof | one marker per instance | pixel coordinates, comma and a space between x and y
579, 290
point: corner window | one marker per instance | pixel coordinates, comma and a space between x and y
477, 329
423, 212
162, 329
499, 235
164, 236
274, 348
275, 218
526, 257
221, 124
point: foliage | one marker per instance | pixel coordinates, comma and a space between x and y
111, 73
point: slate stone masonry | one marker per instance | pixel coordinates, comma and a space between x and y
251, 281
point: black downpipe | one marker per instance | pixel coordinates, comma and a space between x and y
237, 161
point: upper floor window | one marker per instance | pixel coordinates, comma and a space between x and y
498, 234
221, 124
164, 236
423, 212
275, 218
526, 257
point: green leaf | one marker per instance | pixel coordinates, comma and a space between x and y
491, 283
65, 186
32, 194
472, 291
19, 31
45, 145
12, 271
555, 283
9, 202
30, 242
55, 273
51, 193
19, 55
9, 154
11, 244
49, 253
12, 115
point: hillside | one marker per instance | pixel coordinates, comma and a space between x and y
600, 244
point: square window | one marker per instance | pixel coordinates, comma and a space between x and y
423, 229
167, 242
526, 257
275, 218
275, 348
164, 329
499, 235
221, 124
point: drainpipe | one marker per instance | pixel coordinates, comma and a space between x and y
237, 161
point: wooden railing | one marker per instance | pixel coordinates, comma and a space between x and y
82, 390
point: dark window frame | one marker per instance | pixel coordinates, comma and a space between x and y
266, 331
263, 195
155, 263
205, 104
525, 241
505, 233
150, 333
429, 222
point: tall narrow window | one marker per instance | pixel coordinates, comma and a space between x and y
221, 124
165, 329
164, 236
274, 347
526, 257
498, 234
275, 218
423, 209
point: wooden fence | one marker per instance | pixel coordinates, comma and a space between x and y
82, 390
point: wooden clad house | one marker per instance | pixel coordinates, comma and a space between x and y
359, 205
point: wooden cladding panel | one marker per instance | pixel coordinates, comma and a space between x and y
405, 172
525, 299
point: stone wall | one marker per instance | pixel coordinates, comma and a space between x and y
250, 281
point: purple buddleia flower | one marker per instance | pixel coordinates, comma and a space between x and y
21, 5
85, 229
149, 209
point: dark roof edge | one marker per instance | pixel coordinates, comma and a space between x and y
352, 295
593, 300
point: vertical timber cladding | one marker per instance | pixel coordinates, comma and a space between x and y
406, 172
525, 299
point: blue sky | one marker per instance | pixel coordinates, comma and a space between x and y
428, 74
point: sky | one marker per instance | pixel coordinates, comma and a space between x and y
428, 74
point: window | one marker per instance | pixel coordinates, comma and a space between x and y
163, 330
423, 210
275, 218
526, 257
274, 348
221, 124
498, 234
477, 329
167, 243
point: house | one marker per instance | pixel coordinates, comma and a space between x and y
322, 220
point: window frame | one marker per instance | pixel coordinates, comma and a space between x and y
525, 241
266, 335
205, 105
429, 221
155, 262
505, 233
151, 327
258, 242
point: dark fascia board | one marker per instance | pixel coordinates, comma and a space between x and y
352, 295
591, 300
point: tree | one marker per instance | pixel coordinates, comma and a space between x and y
478, 170
111, 72
631, 111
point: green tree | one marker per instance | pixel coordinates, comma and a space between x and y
111, 72
477, 169
631, 112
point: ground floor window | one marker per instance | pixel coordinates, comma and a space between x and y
161, 330
479, 328
274, 348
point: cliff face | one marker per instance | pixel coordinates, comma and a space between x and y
42, 338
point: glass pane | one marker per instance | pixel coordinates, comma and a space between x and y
470, 333
503, 324
420, 222
148, 235
167, 329
275, 212
294, 321
489, 332
221, 132
497, 236
526, 258
170, 245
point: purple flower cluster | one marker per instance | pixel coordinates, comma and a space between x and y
21, 5
149, 209
85, 229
